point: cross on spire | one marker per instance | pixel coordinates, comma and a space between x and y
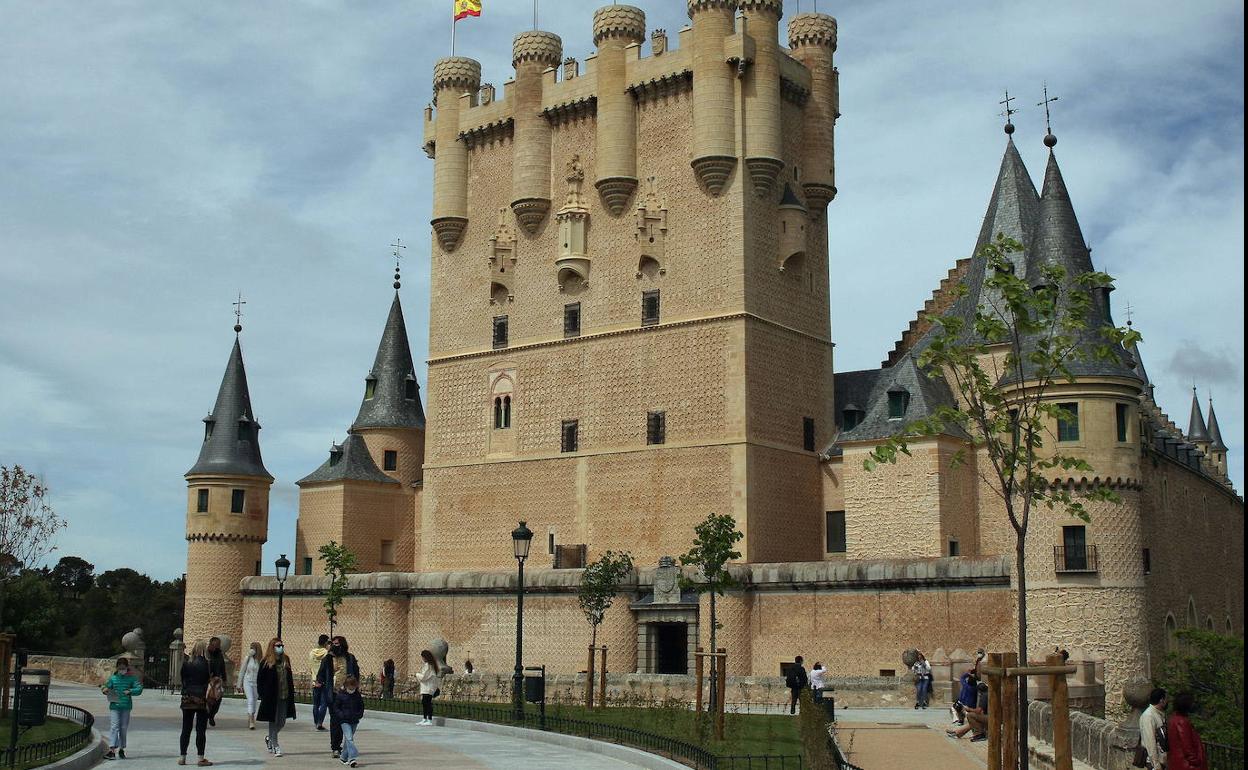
1129, 309
1009, 125
238, 313
397, 245
1049, 139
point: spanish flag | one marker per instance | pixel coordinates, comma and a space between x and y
465, 8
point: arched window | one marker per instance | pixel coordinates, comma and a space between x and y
1172, 629
1230, 627
1192, 620
506, 411
498, 412
1209, 623
501, 402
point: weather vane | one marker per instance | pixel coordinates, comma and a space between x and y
238, 313
1009, 125
1129, 309
1049, 139
397, 245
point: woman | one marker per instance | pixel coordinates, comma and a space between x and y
387, 678
430, 686
1185, 751
120, 688
817, 675
195, 676
922, 680
247, 682
276, 685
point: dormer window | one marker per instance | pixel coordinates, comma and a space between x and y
898, 403
370, 388
409, 388
208, 423
335, 455
244, 429
851, 417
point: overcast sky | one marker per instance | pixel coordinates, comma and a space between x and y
157, 157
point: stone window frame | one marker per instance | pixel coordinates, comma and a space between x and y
502, 400
656, 428
571, 320
307, 565
501, 335
651, 307
201, 500
387, 544
1122, 422
1068, 431
844, 531
569, 436
808, 434
389, 460
238, 500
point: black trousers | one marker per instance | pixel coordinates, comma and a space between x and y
426, 706
795, 693
213, 708
200, 720
335, 732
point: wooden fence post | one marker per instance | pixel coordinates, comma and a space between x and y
1009, 714
697, 679
6, 653
723, 685
994, 713
602, 680
589, 680
1061, 716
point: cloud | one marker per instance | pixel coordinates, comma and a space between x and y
1206, 368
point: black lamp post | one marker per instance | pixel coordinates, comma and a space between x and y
282, 566
521, 537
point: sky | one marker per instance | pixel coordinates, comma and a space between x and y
158, 158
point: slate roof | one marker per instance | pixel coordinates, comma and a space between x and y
348, 461
868, 391
1196, 430
392, 370
1215, 433
232, 434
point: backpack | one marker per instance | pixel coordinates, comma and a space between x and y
790, 680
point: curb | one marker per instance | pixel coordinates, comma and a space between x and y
89, 756
637, 757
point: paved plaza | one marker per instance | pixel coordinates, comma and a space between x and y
385, 741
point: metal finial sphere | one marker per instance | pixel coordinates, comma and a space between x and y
397, 285
238, 328
1049, 140
1009, 128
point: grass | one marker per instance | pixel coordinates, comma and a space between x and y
49, 730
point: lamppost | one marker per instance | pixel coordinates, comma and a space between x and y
282, 566
521, 537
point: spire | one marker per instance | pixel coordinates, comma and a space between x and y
1059, 239
1014, 204
391, 393
1197, 433
231, 433
1215, 433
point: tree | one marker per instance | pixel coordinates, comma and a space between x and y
339, 562
72, 576
1042, 332
1211, 667
710, 553
599, 584
27, 523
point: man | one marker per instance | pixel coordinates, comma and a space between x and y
1151, 721
335, 668
966, 696
216, 667
976, 717
320, 696
795, 680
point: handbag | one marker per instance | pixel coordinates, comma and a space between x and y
216, 691
194, 703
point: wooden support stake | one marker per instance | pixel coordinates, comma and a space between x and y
992, 671
722, 669
602, 680
1009, 715
589, 680
1061, 716
697, 680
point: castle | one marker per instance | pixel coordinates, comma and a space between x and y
629, 329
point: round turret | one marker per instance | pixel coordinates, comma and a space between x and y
706, 5
456, 72
537, 46
811, 29
623, 21
763, 6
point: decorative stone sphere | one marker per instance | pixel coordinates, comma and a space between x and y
1135, 692
225, 642
133, 640
910, 657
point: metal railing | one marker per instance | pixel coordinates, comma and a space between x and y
30, 753
504, 714
1222, 757
1075, 559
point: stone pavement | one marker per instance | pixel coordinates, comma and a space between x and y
876, 739
391, 741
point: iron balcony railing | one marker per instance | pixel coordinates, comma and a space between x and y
1075, 559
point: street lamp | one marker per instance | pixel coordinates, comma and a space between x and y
521, 538
282, 566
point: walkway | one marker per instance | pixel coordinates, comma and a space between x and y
385, 741
875, 739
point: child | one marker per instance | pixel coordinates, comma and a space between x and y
348, 707
120, 688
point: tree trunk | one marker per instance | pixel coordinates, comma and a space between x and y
714, 660
1020, 563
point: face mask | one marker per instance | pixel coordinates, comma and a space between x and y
350, 691
121, 670
279, 649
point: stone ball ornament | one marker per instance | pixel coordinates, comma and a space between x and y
133, 640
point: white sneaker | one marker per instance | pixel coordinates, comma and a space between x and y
277, 751
426, 722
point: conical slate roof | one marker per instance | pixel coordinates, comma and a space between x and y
1196, 430
232, 434
389, 401
1215, 433
348, 461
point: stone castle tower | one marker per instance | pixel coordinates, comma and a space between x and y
227, 509
629, 319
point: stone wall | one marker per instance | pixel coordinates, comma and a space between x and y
93, 671
1098, 743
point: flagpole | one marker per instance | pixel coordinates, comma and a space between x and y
453, 22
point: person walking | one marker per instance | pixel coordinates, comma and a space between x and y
247, 682
275, 683
1153, 730
430, 687
1185, 751
216, 667
817, 675
120, 688
320, 696
387, 678
922, 680
796, 679
335, 668
348, 704
196, 674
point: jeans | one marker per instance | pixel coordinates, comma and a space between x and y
349, 751
118, 724
200, 720
278, 722
921, 690
249, 688
320, 704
